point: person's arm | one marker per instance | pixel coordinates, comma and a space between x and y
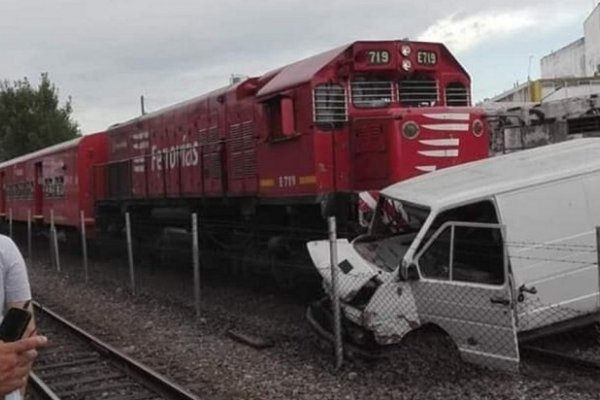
16, 282
16, 359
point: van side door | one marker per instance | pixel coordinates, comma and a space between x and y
464, 288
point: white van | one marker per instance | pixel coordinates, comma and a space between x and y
493, 252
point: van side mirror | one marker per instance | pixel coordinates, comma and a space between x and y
409, 272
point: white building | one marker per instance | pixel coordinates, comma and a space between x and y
568, 61
562, 104
571, 71
579, 58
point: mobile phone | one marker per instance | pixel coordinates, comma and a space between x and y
14, 324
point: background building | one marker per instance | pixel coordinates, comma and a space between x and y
571, 71
563, 104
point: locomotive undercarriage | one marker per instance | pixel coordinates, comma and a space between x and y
240, 235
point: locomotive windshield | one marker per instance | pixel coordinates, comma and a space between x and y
414, 91
392, 231
418, 91
372, 92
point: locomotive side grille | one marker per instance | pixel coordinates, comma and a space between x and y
213, 135
243, 155
214, 166
248, 134
249, 149
420, 92
235, 136
237, 151
250, 161
457, 95
237, 164
202, 135
329, 104
212, 155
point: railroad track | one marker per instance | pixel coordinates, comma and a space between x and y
580, 351
561, 358
76, 365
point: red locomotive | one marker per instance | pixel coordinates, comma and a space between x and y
270, 156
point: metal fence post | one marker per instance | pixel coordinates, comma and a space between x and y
84, 247
598, 251
54, 239
130, 253
10, 223
337, 323
29, 236
196, 255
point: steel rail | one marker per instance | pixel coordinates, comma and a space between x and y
561, 359
143, 374
41, 390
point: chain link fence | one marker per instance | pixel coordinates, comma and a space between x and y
136, 255
485, 294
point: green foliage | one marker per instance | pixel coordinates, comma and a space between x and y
32, 118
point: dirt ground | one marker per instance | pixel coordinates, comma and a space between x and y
159, 327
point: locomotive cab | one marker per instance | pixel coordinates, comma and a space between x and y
393, 110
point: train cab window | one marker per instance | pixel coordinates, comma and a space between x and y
457, 95
281, 117
60, 186
48, 192
372, 92
329, 104
418, 91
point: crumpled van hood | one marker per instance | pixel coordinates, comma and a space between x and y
353, 271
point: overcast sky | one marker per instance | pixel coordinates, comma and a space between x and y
104, 54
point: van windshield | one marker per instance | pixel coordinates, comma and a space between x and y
394, 227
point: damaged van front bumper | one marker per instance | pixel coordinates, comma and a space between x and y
356, 340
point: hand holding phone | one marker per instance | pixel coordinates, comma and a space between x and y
14, 324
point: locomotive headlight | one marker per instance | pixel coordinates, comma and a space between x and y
410, 130
406, 65
477, 128
405, 50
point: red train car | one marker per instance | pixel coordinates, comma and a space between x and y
57, 179
286, 148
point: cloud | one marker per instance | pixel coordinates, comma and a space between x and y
105, 54
461, 33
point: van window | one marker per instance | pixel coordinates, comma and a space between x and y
482, 211
465, 253
435, 262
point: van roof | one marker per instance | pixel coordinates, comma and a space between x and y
492, 176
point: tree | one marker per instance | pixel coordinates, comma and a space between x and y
32, 118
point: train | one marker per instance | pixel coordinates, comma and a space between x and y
262, 161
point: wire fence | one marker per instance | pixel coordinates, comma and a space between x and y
485, 293
138, 255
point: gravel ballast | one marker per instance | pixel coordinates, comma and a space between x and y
158, 327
